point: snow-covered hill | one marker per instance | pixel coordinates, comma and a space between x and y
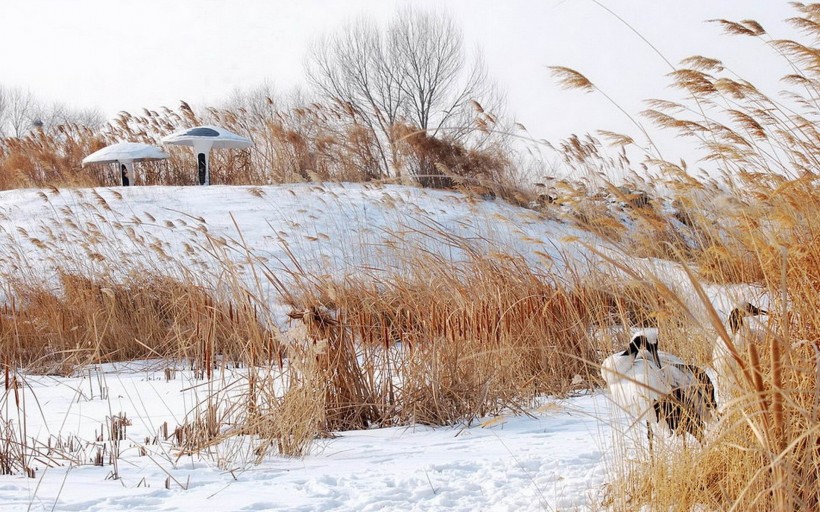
327, 228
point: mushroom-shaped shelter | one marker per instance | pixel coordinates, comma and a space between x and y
202, 139
125, 154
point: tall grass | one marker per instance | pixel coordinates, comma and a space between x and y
432, 341
753, 220
446, 343
90, 321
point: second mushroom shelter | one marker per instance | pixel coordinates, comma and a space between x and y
204, 138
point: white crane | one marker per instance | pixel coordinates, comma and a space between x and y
743, 330
658, 387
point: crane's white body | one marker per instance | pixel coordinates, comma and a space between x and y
641, 377
635, 382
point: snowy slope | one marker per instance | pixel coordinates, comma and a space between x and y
328, 228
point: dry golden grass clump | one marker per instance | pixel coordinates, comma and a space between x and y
147, 316
40, 158
444, 343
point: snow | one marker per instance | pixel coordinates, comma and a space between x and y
555, 458
552, 459
337, 229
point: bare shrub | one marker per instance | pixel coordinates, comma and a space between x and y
443, 163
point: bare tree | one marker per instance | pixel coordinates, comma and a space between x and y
15, 111
49, 117
258, 104
20, 112
415, 72
355, 68
91, 118
430, 56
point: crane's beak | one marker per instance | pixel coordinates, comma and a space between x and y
653, 349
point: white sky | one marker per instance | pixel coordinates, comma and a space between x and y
125, 55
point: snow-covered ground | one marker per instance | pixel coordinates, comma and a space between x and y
331, 227
553, 459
